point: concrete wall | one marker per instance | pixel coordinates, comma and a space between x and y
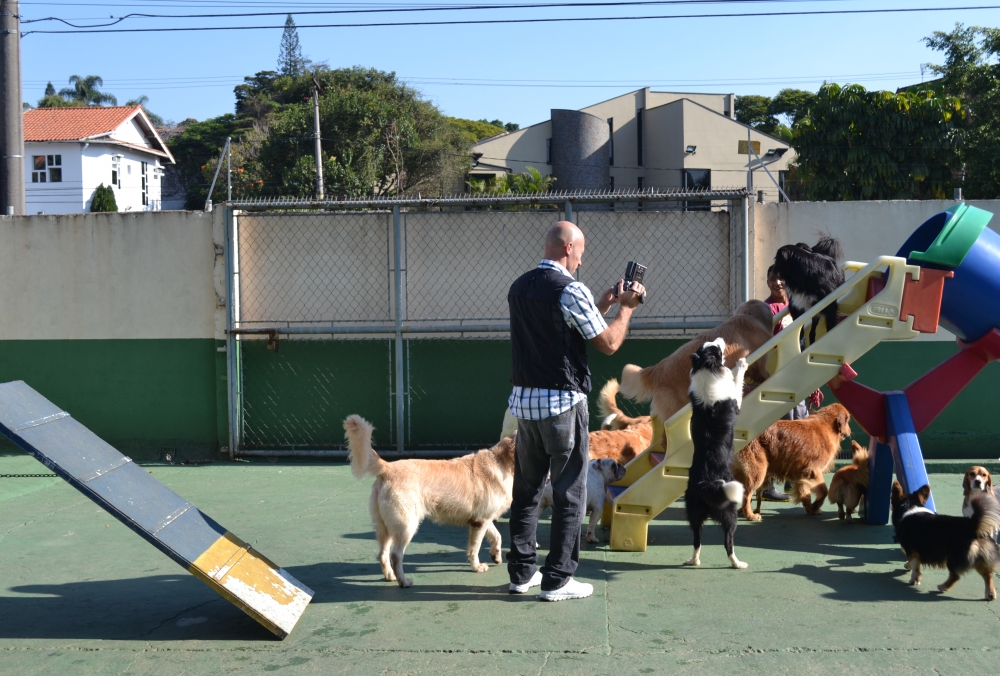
580, 147
117, 318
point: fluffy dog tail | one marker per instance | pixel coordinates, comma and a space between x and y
718, 493
860, 460
634, 385
612, 417
985, 514
364, 459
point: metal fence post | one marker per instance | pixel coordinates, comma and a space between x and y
569, 211
397, 240
231, 371
747, 215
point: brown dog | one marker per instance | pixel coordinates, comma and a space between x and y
796, 450
473, 490
666, 384
977, 480
849, 484
621, 437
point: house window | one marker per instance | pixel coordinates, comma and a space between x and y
38, 174
611, 140
638, 134
145, 185
548, 151
116, 172
698, 179
55, 168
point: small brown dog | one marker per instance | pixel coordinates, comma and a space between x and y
849, 484
977, 480
621, 437
799, 451
666, 384
473, 491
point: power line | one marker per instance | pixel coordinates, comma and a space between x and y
466, 22
426, 8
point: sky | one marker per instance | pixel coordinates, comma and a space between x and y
512, 72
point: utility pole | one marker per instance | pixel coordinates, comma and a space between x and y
11, 121
317, 89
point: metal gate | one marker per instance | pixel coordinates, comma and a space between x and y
397, 309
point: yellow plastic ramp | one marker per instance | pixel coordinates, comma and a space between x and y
658, 476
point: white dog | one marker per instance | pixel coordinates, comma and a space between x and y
600, 474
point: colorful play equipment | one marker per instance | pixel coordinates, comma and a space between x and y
948, 271
167, 521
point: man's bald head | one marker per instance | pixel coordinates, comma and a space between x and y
564, 243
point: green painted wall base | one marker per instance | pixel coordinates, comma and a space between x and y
149, 398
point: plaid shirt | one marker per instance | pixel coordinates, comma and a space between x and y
581, 313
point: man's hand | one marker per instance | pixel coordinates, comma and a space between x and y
609, 297
632, 298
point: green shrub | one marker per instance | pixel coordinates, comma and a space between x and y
104, 199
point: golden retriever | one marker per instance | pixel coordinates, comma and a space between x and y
849, 484
666, 384
799, 451
473, 490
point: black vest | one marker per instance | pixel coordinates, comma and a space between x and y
545, 351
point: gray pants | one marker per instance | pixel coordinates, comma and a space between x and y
559, 446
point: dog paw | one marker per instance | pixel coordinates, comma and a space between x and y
480, 567
906, 565
591, 537
753, 516
741, 364
991, 596
405, 582
497, 557
693, 562
739, 565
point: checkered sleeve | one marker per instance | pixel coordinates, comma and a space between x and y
580, 311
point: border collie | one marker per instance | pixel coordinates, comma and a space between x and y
811, 274
957, 543
716, 394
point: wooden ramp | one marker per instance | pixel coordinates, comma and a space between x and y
871, 299
164, 519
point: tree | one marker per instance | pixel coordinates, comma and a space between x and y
103, 199
754, 110
194, 150
856, 144
85, 91
49, 89
290, 60
970, 71
475, 130
792, 104
141, 101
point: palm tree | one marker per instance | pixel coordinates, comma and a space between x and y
85, 90
142, 100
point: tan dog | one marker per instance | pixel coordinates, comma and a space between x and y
849, 484
621, 437
473, 490
977, 480
666, 384
799, 451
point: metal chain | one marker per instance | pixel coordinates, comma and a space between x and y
26, 476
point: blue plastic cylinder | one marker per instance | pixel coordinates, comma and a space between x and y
970, 307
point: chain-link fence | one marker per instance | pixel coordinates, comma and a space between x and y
397, 309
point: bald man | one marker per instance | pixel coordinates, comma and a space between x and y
552, 317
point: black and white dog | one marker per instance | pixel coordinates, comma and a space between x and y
716, 394
958, 543
811, 274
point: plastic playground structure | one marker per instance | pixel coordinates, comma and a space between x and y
947, 273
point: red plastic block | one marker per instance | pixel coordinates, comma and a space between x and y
922, 299
867, 406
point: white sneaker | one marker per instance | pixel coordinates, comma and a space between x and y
571, 590
535, 580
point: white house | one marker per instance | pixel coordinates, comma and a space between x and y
69, 152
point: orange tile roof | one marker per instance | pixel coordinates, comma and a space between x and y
72, 124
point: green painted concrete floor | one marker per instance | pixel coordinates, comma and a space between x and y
81, 594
